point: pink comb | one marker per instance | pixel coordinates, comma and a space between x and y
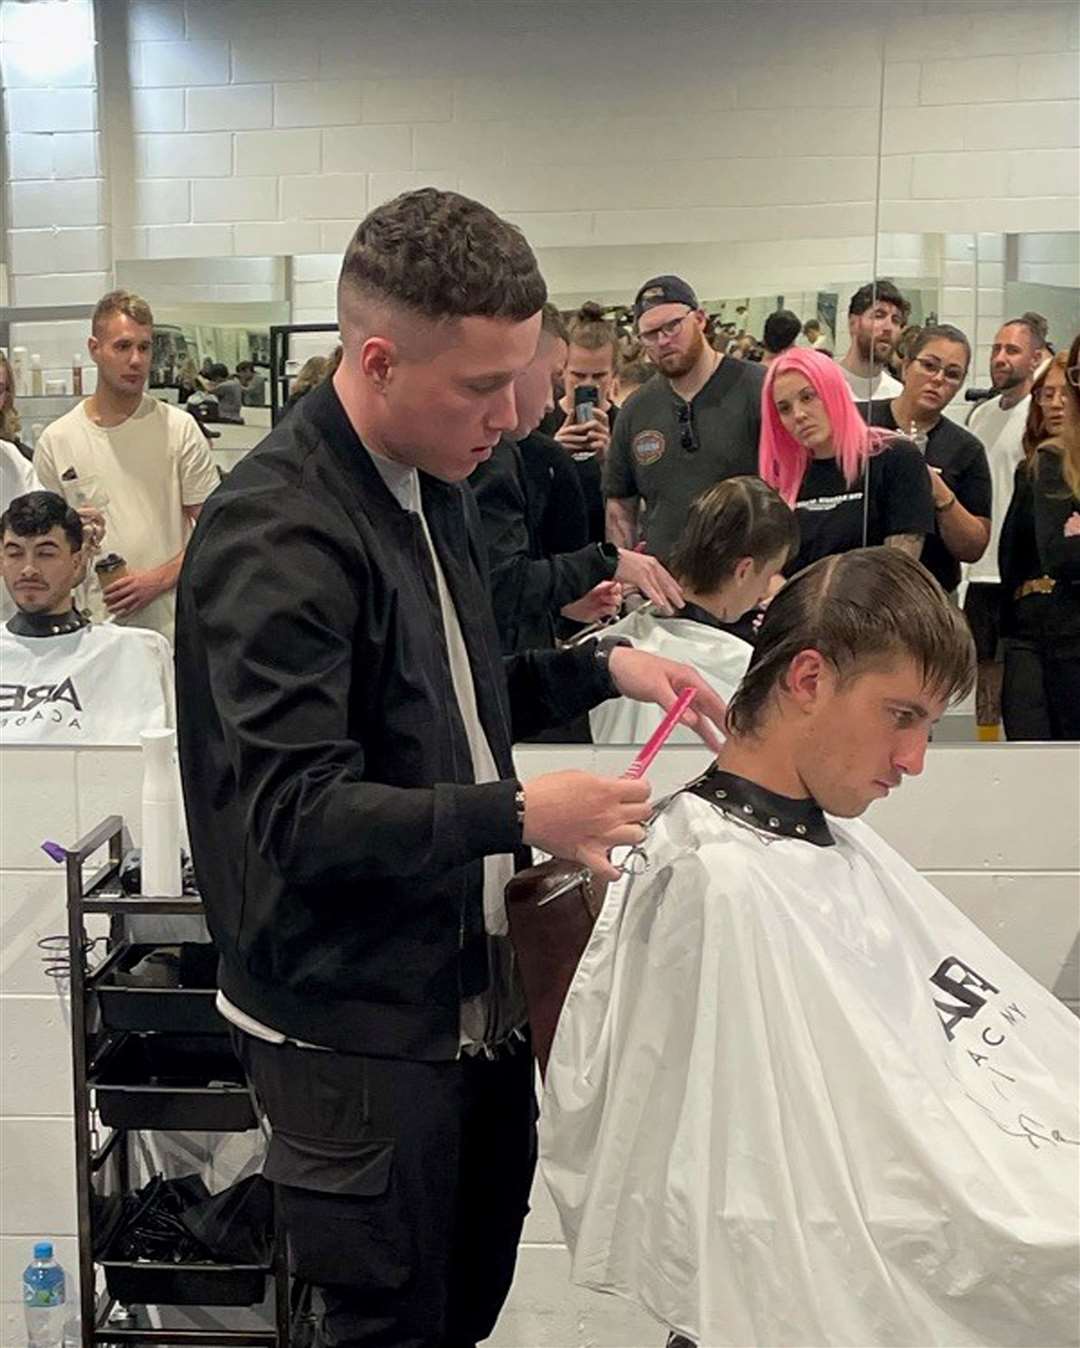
656, 740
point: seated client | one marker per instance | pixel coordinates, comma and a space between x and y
65, 681
738, 535
795, 1096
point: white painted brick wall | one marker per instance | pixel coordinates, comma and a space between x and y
389, 98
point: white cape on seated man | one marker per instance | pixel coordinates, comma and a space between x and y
795, 1097
65, 681
738, 536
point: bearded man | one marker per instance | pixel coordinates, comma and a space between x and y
693, 424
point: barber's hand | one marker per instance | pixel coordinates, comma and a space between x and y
93, 522
132, 593
649, 576
651, 678
580, 817
1072, 525
602, 601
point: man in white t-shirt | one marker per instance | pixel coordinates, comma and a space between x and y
63, 680
999, 423
876, 317
143, 463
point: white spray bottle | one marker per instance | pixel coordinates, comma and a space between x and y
160, 816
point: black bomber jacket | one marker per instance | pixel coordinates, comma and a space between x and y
336, 830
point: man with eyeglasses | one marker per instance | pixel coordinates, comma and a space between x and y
936, 366
694, 423
999, 422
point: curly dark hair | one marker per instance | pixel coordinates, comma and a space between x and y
37, 513
443, 256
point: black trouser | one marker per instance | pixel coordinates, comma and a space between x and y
403, 1186
1040, 698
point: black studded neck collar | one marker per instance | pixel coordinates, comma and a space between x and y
46, 624
701, 615
753, 805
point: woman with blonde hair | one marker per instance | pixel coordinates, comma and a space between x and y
309, 376
851, 485
1039, 562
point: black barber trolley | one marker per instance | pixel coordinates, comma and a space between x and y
148, 1057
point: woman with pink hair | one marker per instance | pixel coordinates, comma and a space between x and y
851, 485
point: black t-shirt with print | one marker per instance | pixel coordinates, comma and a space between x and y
647, 456
830, 513
962, 459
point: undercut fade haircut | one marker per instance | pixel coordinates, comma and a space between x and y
860, 610
739, 517
939, 332
39, 512
442, 257
121, 302
589, 329
882, 291
553, 323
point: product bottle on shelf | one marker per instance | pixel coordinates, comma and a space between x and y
20, 370
44, 1299
76, 375
37, 376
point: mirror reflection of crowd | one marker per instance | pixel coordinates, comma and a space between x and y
362, 638
629, 415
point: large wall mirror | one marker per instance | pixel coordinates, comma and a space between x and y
212, 321
726, 227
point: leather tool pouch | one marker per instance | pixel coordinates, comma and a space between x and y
551, 909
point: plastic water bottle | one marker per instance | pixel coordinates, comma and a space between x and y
43, 1299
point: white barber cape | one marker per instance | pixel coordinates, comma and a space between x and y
797, 1098
101, 684
716, 654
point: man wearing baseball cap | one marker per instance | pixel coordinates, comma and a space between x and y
694, 423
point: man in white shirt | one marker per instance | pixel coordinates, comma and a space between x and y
999, 423
876, 317
143, 463
65, 681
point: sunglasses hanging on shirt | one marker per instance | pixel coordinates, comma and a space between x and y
688, 440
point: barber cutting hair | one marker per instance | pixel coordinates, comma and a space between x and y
345, 727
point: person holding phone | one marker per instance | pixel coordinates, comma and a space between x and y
584, 417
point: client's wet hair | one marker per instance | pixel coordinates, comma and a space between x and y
858, 609
739, 517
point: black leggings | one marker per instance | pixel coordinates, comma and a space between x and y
1040, 698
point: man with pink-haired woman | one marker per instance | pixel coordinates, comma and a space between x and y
850, 484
